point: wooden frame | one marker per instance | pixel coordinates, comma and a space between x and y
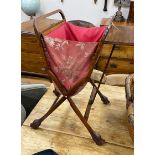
60, 90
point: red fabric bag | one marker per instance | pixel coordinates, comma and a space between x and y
70, 52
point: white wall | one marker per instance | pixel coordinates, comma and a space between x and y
79, 9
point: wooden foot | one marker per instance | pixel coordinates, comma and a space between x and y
104, 99
95, 90
97, 138
37, 122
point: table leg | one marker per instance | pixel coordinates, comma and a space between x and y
94, 90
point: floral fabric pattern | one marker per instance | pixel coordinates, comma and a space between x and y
69, 60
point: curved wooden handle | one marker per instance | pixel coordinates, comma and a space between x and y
38, 34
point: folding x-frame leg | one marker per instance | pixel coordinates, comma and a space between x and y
57, 102
95, 91
96, 137
90, 103
37, 122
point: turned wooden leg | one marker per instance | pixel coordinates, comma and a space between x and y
37, 122
91, 101
96, 90
89, 105
96, 137
87, 112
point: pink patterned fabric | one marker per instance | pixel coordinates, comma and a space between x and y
68, 59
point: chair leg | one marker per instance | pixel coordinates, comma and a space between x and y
95, 89
92, 98
96, 137
56, 92
37, 122
89, 105
87, 112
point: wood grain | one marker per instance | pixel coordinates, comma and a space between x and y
126, 52
116, 66
33, 61
64, 144
30, 44
121, 33
26, 27
110, 121
122, 61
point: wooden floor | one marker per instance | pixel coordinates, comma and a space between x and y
64, 132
